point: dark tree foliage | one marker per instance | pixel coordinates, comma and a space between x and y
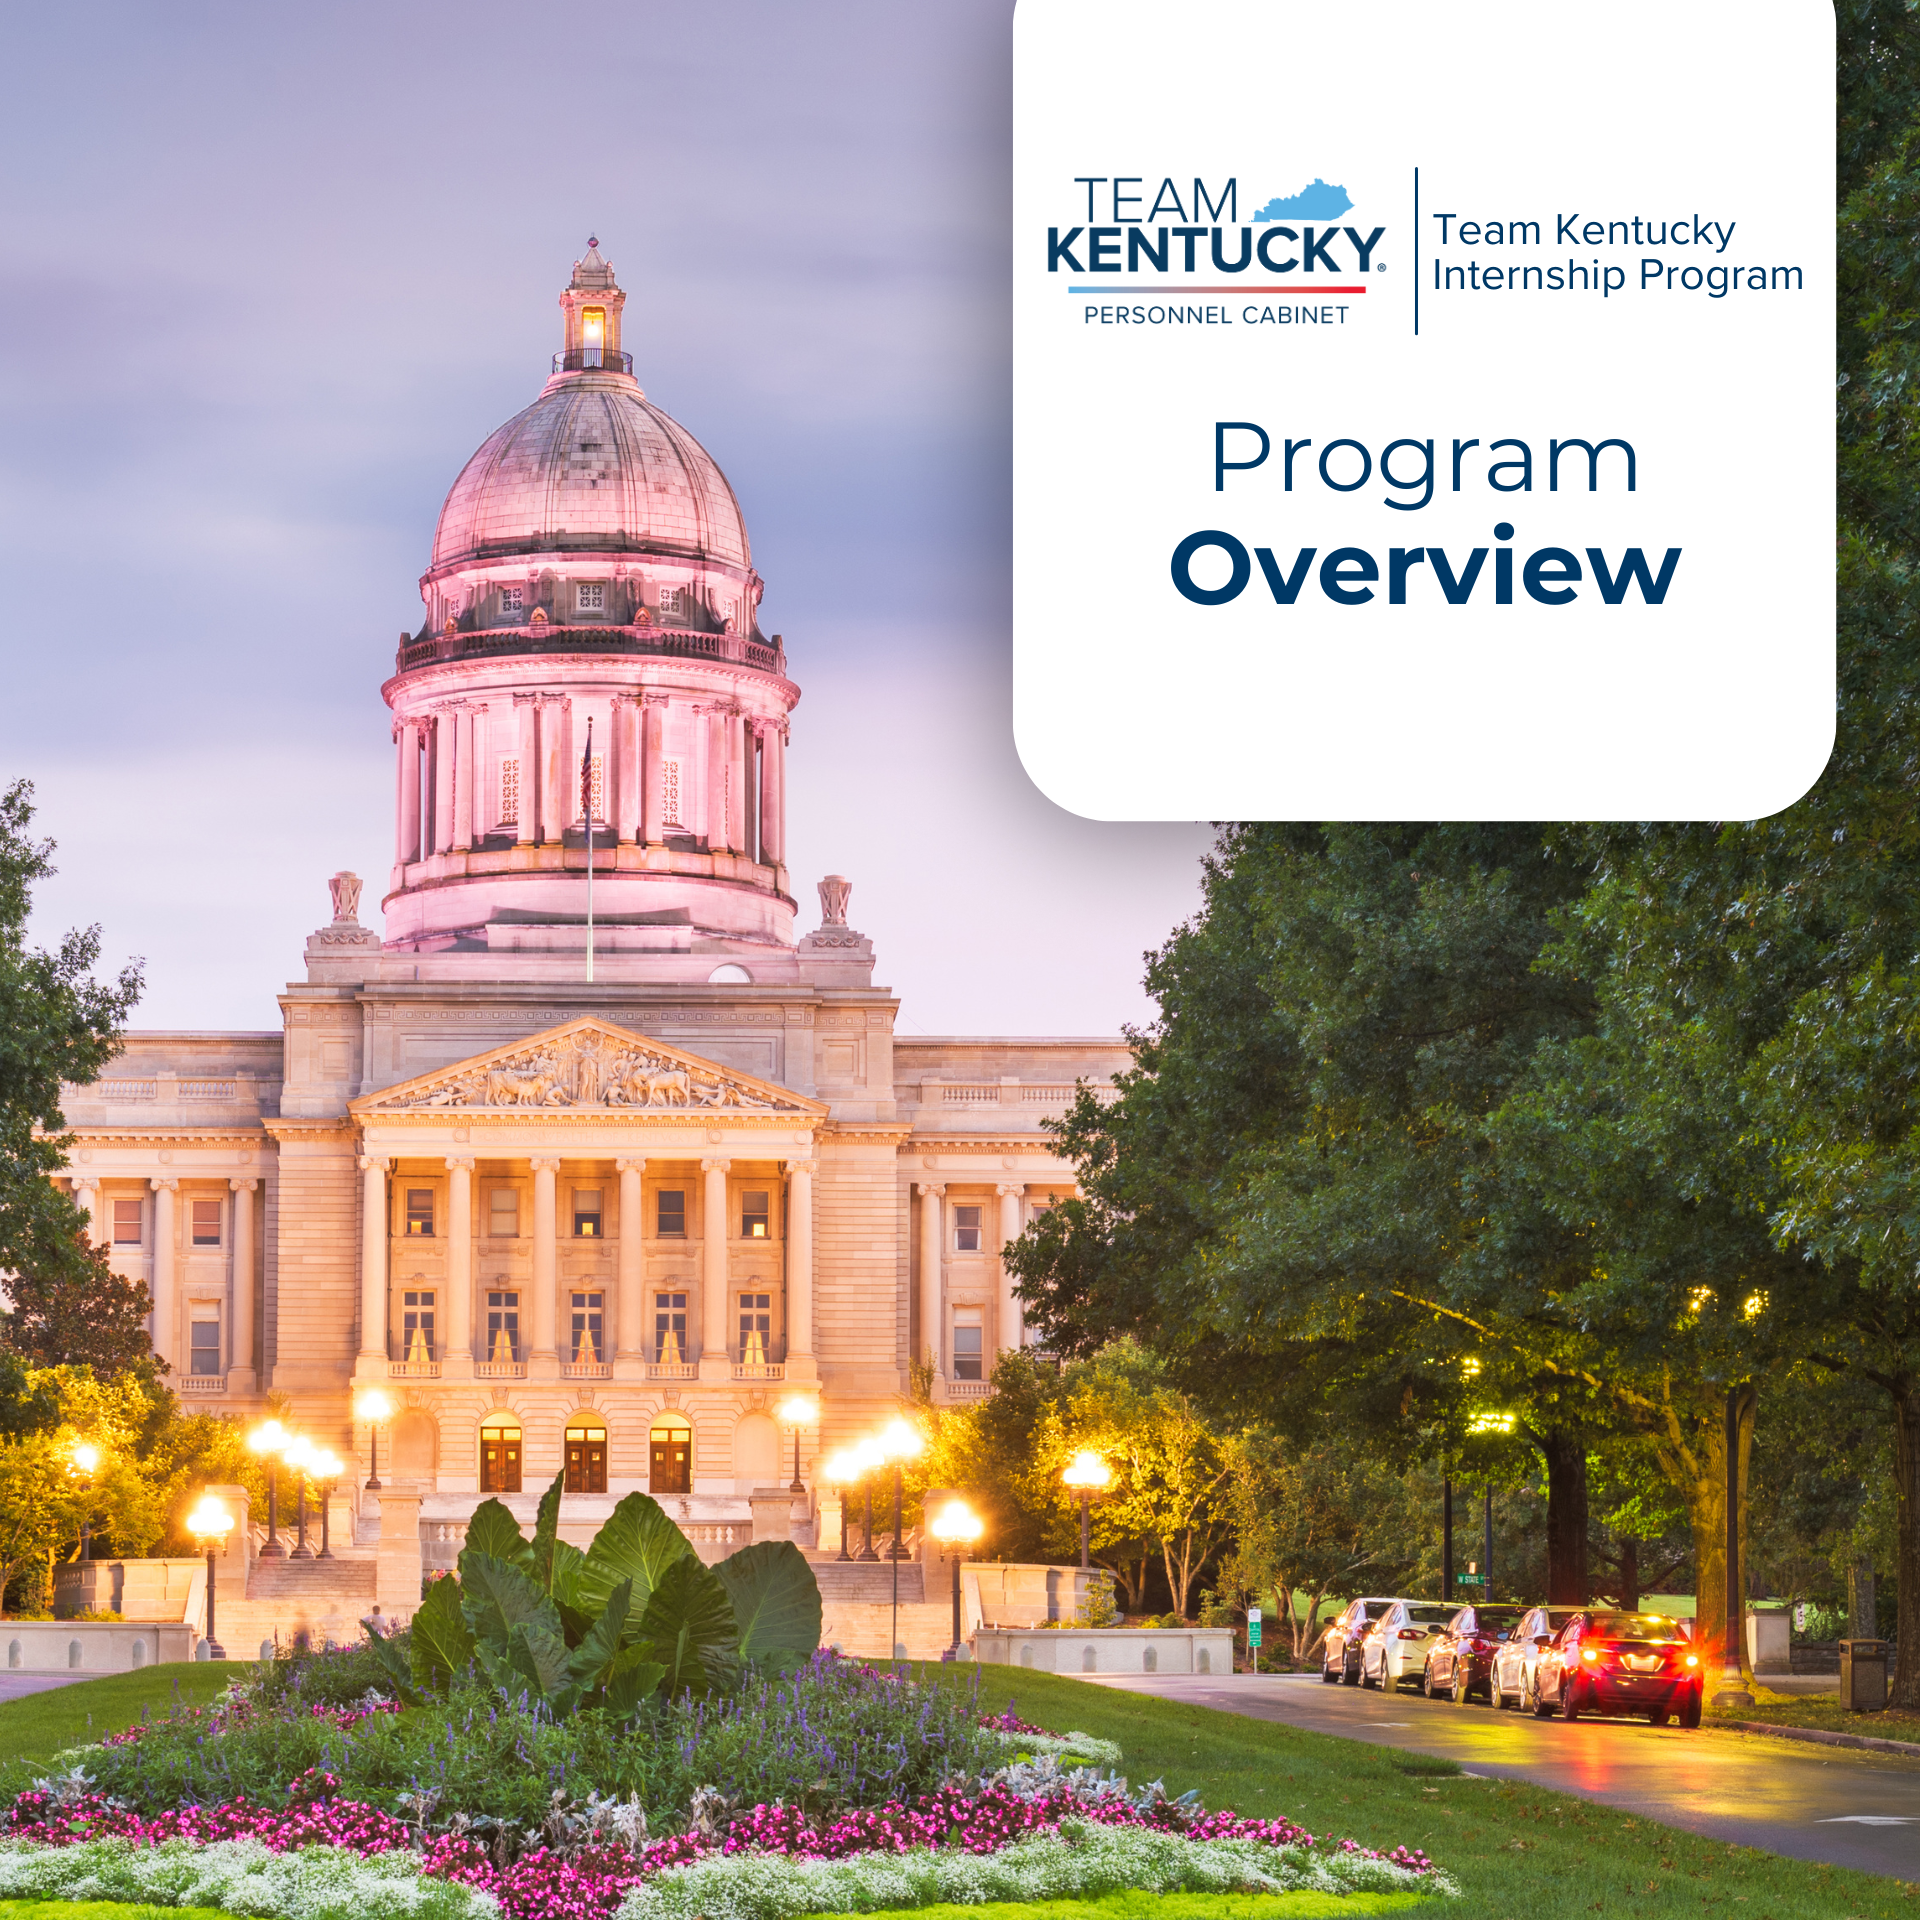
57, 1023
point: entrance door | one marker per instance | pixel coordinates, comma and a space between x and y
586, 1459
670, 1457
500, 1457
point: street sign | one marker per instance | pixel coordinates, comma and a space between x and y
1469, 1579
1253, 1629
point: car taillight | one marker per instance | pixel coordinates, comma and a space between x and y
1411, 1633
1480, 1645
1693, 1660
1587, 1653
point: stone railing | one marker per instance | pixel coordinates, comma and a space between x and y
679, 642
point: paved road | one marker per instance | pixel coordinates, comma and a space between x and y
15, 1686
1837, 1804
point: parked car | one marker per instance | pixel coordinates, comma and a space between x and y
1394, 1648
1461, 1657
1340, 1651
1627, 1663
1511, 1681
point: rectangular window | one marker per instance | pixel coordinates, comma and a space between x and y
670, 602
416, 1326
753, 1216
756, 1328
670, 792
587, 1334
669, 1329
966, 1352
127, 1223
503, 1214
206, 1223
672, 1215
203, 1340
586, 1213
513, 600
510, 793
598, 773
966, 1230
503, 1328
593, 596
420, 1213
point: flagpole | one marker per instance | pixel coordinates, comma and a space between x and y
586, 803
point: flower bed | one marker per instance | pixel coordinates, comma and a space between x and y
889, 1794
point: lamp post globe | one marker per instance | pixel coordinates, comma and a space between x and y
268, 1440
956, 1526
799, 1410
1086, 1474
86, 1463
210, 1523
373, 1407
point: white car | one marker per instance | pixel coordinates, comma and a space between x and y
1340, 1651
1510, 1682
1396, 1645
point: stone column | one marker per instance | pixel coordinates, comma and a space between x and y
406, 799
800, 1361
465, 789
932, 1247
630, 1276
1007, 1333
716, 781
558, 786
373, 1267
443, 766
739, 745
166, 1308
713, 1271
626, 768
773, 774
653, 817
543, 1360
86, 1196
240, 1374
527, 823
456, 1353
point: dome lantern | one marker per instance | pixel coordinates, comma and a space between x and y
590, 306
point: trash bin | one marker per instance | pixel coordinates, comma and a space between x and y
1863, 1675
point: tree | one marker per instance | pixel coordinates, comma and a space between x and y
57, 1023
79, 1312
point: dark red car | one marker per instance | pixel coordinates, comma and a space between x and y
1461, 1660
1621, 1663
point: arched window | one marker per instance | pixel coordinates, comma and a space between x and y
670, 1455
500, 1457
586, 1457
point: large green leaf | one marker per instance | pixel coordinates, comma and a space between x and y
776, 1599
496, 1597
638, 1543
688, 1624
494, 1530
596, 1652
631, 1679
546, 1530
394, 1660
534, 1663
441, 1640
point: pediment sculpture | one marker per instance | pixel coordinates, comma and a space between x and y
589, 1067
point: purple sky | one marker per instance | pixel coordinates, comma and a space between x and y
273, 274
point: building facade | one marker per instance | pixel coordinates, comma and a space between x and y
586, 1157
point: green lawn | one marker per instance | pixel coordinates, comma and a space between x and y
37, 1727
1823, 1710
1521, 1853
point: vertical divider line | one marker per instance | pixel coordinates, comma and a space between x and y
1416, 253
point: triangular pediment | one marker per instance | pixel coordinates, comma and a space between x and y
589, 1065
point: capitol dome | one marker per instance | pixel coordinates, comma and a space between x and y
592, 464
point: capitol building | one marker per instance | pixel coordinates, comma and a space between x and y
582, 1195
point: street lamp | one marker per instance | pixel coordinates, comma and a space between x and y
868, 1459
955, 1526
326, 1468
799, 1410
210, 1523
86, 1463
299, 1454
1086, 1475
373, 1406
839, 1470
898, 1444
267, 1440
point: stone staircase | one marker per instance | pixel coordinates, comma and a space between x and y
324, 1599
858, 1580
860, 1628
